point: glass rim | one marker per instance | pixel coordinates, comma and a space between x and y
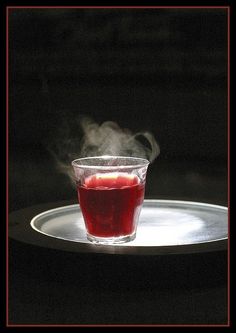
143, 162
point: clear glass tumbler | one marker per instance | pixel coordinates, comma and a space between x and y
110, 193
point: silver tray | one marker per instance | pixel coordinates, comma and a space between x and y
165, 227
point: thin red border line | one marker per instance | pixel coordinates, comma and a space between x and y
7, 108
120, 325
121, 7
228, 107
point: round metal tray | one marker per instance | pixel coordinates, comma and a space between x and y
165, 227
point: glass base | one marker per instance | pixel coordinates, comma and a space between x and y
111, 240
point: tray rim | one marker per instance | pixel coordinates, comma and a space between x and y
204, 246
197, 203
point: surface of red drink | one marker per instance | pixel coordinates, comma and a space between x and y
111, 203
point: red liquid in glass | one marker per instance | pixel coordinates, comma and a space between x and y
111, 203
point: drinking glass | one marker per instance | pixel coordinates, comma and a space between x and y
110, 194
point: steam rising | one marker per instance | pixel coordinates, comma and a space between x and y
105, 139
110, 139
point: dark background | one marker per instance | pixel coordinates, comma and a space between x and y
161, 70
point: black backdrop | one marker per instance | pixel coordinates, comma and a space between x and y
161, 70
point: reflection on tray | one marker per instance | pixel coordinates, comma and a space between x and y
168, 227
